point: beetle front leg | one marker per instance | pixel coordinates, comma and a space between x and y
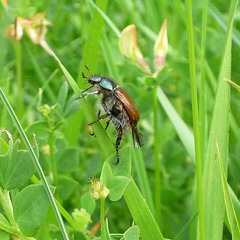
89, 93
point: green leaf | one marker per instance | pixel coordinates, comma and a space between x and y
68, 161
124, 166
106, 174
117, 186
141, 213
40, 129
182, 129
231, 215
66, 187
62, 95
72, 106
88, 203
16, 167
82, 218
133, 233
30, 209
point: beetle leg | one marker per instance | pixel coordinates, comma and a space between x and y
99, 118
87, 88
107, 123
89, 93
118, 141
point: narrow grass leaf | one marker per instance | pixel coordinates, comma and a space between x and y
182, 129
141, 214
213, 194
231, 215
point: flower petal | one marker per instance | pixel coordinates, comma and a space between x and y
160, 48
129, 48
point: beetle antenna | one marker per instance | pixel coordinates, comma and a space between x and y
84, 76
86, 66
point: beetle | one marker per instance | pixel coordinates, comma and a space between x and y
118, 107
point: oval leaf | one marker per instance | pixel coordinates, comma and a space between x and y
30, 209
16, 167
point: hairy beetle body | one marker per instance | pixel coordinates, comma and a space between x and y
118, 106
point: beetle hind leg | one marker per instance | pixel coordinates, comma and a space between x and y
118, 141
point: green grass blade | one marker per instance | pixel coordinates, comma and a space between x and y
182, 129
213, 194
141, 213
35, 160
231, 215
216, 14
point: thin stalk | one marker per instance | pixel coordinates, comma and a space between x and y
7, 206
36, 162
157, 160
53, 163
18, 52
202, 98
193, 79
14, 231
102, 217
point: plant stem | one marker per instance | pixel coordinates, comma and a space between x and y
202, 99
18, 51
51, 145
14, 231
157, 160
102, 217
189, 25
7, 206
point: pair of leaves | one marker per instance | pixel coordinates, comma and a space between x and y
16, 167
116, 178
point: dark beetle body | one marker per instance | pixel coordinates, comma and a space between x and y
118, 106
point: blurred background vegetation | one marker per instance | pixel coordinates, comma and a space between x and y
21, 80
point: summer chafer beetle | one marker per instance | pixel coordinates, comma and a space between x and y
118, 106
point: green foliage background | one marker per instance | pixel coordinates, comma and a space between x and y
25, 68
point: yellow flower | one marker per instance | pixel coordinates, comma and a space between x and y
160, 48
35, 27
129, 48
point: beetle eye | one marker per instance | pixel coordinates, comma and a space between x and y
95, 79
105, 83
